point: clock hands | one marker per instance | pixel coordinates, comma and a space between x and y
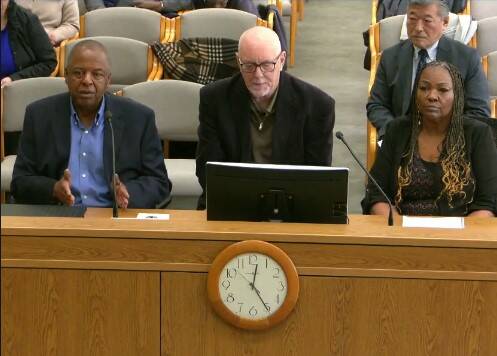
255, 274
252, 285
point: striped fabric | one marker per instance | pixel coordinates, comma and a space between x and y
199, 60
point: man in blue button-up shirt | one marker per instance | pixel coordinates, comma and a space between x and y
65, 153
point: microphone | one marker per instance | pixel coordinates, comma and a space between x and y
339, 135
108, 118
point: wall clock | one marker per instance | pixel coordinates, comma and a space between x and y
253, 285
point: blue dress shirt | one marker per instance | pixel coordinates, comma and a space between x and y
86, 161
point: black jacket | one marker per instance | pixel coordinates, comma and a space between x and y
46, 145
33, 53
480, 150
302, 131
391, 92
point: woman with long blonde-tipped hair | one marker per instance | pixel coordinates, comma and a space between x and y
436, 161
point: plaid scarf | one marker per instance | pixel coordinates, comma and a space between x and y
199, 60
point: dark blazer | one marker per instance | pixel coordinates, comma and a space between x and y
391, 92
46, 145
33, 53
302, 131
480, 149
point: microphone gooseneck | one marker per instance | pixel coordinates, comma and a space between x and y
340, 136
108, 118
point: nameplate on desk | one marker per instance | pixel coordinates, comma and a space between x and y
147, 216
433, 222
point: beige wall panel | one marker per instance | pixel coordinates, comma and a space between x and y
340, 316
71, 312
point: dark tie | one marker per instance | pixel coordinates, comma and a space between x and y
423, 55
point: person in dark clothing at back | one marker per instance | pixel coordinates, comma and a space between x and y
26, 52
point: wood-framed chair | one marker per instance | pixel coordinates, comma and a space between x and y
489, 63
484, 40
15, 96
481, 9
382, 34
211, 22
176, 104
131, 22
132, 61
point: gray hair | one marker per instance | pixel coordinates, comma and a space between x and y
443, 8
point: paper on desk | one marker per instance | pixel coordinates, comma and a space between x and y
434, 222
152, 216
146, 216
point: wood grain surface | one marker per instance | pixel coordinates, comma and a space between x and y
98, 286
184, 224
64, 312
340, 316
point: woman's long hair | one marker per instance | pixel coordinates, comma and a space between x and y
456, 168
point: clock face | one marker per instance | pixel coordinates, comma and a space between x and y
252, 286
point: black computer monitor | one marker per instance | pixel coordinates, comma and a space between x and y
268, 192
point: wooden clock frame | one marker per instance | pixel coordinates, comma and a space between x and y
249, 246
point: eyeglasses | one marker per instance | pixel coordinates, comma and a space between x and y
79, 74
264, 66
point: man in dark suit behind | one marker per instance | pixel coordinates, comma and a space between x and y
391, 91
263, 115
65, 153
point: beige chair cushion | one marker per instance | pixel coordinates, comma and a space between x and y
7, 170
486, 35
481, 9
175, 103
181, 172
20, 93
225, 23
390, 29
130, 22
492, 73
128, 57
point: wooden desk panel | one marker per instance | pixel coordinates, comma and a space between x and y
341, 316
126, 287
73, 312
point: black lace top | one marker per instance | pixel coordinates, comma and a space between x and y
419, 197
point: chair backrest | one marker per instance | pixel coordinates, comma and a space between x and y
130, 22
132, 61
491, 72
485, 35
481, 9
20, 93
175, 103
214, 22
390, 29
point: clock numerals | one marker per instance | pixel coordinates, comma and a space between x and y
240, 263
268, 307
252, 260
231, 273
253, 311
276, 272
240, 305
277, 299
281, 287
266, 262
230, 298
226, 284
